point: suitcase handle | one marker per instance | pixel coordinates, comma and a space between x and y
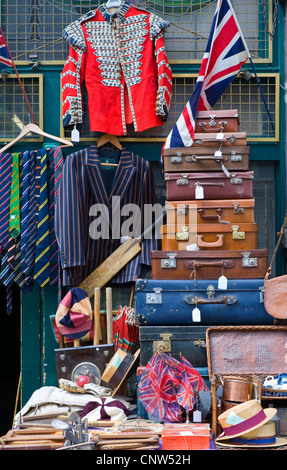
209, 216
209, 263
212, 129
193, 158
229, 300
202, 244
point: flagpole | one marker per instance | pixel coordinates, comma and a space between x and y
19, 80
253, 68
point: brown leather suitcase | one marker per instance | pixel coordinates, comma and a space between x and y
225, 138
210, 236
222, 120
210, 211
206, 159
209, 185
202, 264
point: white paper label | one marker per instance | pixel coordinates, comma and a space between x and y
196, 316
199, 193
222, 282
219, 136
224, 169
218, 153
75, 136
196, 417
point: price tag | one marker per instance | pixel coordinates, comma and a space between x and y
218, 153
199, 193
196, 416
219, 136
75, 136
222, 283
196, 316
224, 169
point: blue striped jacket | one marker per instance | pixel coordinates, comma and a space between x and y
82, 186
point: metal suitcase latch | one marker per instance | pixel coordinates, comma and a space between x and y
177, 158
182, 181
237, 235
164, 345
154, 298
234, 157
235, 180
182, 236
237, 209
170, 262
248, 262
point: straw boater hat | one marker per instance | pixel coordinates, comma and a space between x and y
264, 436
243, 418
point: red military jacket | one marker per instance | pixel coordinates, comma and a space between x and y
122, 60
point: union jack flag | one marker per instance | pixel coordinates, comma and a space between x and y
5, 56
225, 53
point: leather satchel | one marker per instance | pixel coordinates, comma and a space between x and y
275, 289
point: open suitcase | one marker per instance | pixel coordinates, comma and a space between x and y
209, 185
200, 302
201, 264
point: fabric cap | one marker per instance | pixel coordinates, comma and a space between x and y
74, 317
106, 408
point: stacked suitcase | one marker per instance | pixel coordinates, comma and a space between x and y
210, 271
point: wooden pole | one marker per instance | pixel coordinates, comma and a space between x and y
97, 313
109, 309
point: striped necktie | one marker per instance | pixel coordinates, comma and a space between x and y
42, 260
56, 168
14, 224
5, 190
31, 234
25, 204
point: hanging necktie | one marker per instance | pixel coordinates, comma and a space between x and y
5, 190
56, 168
42, 256
31, 224
14, 224
25, 204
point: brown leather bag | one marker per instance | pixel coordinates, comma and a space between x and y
275, 289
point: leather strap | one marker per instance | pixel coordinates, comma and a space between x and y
276, 248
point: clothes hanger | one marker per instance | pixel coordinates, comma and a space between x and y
36, 130
104, 139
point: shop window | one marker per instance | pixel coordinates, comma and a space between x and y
243, 95
35, 26
14, 111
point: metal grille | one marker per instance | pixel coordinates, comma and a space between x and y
14, 111
30, 25
242, 95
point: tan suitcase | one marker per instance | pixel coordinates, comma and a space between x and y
222, 120
210, 211
210, 237
207, 264
217, 138
206, 159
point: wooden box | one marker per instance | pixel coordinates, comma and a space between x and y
191, 436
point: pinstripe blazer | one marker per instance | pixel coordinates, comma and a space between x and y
82, 186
